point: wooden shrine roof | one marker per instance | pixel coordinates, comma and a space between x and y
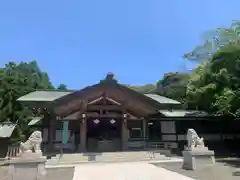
73, 100
43, 96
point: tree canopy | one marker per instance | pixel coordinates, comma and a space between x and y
17, 80
214, 85
173, 85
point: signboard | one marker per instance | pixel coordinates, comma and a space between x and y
65, 134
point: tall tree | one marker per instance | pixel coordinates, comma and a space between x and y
215, 84
213, 41
173, 85
15, 81
62, 87
144, 89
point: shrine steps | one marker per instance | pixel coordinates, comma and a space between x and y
106, 157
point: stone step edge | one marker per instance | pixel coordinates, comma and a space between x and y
112, 155
111, 161
161, 157
102, 158
117, 158
51, 166
106, 154
123, 155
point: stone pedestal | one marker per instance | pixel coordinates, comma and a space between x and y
193, 159
29, 166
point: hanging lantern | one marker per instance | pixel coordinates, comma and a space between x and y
112, 121
96, 121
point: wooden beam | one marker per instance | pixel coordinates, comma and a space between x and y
134, 103
113, 101
96, 100
82, 109
73, 116
103, 107
76, 115
110, 115
128, 106
68, 108
104, 98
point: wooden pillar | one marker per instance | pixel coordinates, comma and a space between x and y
144, 125
83, 134
124, 135
51, 133
51, 136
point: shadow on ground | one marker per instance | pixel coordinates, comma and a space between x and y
219, 171
230, 162
233, 163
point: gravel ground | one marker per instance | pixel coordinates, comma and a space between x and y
221, 171
52, 174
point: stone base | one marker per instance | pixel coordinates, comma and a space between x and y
193, 159
29, 166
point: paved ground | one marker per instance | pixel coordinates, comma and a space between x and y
52, 174
226, 170
125, 171
59, 174
221, 171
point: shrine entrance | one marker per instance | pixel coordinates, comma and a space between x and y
103, 134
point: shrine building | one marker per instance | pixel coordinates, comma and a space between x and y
109, 116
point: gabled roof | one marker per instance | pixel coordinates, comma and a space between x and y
43, 96
66, 101
49, 96
6, 130
182, 113
35, 120
162, 99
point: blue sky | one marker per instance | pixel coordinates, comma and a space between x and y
78, 41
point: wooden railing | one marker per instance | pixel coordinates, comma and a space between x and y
12, 151
160, 145
149, 144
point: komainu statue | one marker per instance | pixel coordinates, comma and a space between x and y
194, 141
32, 144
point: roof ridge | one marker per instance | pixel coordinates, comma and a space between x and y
55, 90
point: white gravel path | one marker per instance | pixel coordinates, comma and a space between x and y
125, 171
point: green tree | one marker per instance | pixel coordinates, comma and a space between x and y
214, 85
144, 89
173, 85
213, 41
62, 87
16, 81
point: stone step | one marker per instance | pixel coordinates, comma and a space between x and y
110, 157
109, 161
53, 161
100, 158
111, 154
129, 158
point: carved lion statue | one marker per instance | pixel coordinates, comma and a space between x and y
194, 141
32, 144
